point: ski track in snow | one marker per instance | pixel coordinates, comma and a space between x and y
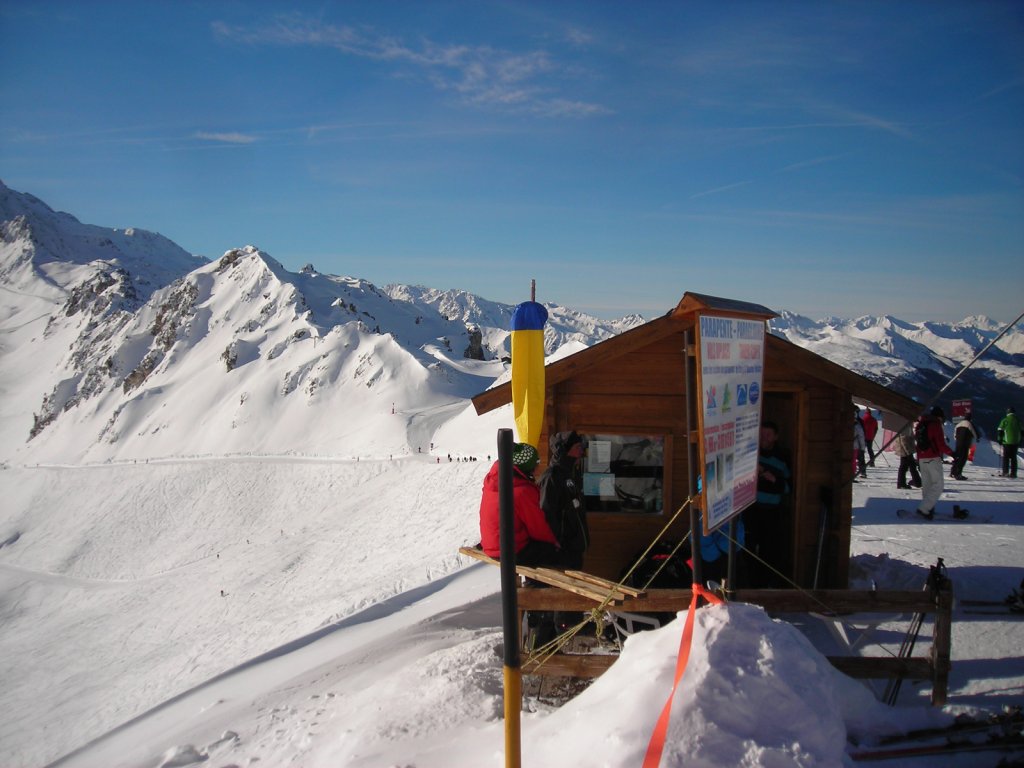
122, 538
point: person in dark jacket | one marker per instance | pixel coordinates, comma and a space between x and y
930, 460
561, 497
535, 541
767, 522
904, 448
965, 435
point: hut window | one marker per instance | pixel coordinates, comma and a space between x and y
623, 473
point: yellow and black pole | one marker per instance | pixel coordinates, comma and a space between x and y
509, 606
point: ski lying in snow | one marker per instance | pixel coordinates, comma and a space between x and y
1002, 724
1013, 742
1013, 603
1006, 611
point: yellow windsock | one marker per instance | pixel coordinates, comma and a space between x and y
528, 321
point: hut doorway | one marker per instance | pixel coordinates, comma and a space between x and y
783, 410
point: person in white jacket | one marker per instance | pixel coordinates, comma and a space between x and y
965, 436
904, 447
860, 445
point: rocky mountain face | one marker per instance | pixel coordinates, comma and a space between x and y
107, 336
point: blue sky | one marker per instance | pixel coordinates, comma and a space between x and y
825, 158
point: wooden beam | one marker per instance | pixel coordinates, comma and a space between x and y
828, 602
575, 586
867, 667
605, 583
593, 588
569, 665
838, 601
653, 601
478, 554
942, 644
859, 667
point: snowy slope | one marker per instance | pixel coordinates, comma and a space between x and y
351, 634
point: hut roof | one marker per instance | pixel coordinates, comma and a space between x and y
681, 318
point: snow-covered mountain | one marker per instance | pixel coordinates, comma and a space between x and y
111, 336
918, 359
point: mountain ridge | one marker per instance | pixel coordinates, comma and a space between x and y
107, 331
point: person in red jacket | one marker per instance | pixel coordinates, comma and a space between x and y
870, 430
930, 459
535, 541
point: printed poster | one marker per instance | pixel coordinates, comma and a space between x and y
730, 370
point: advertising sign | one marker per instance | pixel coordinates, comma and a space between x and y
961, 408
730, 374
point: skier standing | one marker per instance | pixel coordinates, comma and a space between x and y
1008, 433
930, 458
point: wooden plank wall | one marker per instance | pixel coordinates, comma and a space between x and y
644, 392
817, 431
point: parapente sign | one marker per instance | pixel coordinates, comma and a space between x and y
528, 321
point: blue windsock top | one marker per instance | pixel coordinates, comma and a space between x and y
529, 316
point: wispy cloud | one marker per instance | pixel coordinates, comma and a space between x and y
854, 117
811, 163
579, 37
478, 74
717, 190
225, 138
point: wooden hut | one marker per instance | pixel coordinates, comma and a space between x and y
631, 394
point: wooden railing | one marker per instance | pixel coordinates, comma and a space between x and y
830, 603
836, 603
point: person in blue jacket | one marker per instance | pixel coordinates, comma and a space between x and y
768, 521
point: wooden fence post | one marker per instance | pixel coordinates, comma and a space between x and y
942, 643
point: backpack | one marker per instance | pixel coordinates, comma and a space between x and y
921, 440
661, 569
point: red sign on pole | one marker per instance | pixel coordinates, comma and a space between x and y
961, 408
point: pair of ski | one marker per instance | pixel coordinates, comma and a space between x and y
959, 514
1000, 733
1011, 606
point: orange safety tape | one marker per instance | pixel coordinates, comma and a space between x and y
657, 744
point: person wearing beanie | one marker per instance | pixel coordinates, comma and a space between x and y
535, 542
1008, 433
930, 460
525, 458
